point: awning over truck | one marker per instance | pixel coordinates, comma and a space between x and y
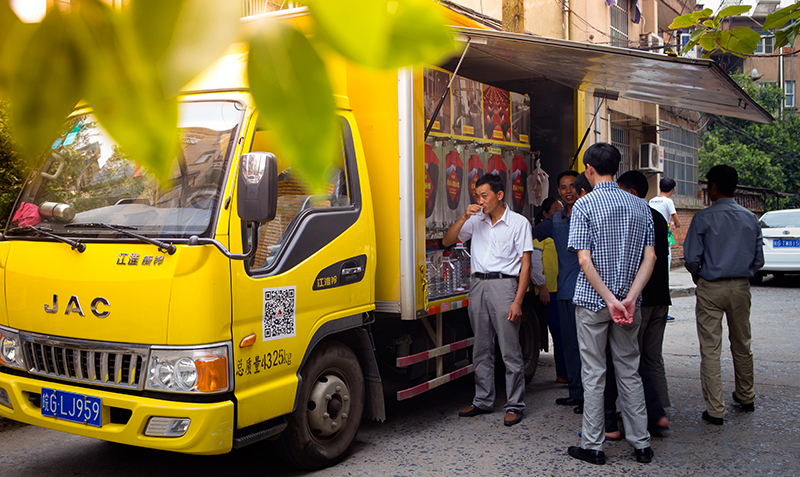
504, 59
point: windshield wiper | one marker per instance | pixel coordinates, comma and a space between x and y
162, 246
76, 245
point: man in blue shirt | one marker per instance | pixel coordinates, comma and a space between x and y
722, 250
612, 233
558, 230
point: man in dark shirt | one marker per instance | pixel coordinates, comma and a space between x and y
655, 307
568, 268
722, 250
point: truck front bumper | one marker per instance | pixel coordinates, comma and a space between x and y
210, 430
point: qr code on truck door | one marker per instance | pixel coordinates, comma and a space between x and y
279, 304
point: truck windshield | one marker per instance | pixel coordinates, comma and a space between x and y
86, 178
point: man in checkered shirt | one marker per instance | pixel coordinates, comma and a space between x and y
612, 232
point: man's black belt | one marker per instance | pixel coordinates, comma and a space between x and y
492, 275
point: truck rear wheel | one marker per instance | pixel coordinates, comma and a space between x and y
329, 409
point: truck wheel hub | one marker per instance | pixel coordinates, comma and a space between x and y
328, 406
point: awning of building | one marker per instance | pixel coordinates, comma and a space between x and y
503, 58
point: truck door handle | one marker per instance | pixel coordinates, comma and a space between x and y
352, 271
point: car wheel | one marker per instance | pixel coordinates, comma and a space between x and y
329, 409
756, 279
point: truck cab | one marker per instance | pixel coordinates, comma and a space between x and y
178, 314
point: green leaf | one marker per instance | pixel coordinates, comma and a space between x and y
782, 16
683, 21
689, 45
384, 34
8, 20
48, 87
154, 25
712, 24
740, 40
183, 36
786, 35
204, 30
708, 41
290, 85
705, 13
694, 39
733, 10
124, 90
14, 35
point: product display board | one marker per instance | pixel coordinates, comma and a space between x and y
467, 108
436, 83
480, 129
496, 114
520, 118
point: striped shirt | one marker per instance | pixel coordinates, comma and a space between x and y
615, 226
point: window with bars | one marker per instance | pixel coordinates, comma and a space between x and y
765, 46
621, 139
619, 24
681, 157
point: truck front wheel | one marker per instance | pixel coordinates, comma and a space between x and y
329, 409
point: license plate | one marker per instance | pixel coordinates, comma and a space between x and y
786, 243
72, 407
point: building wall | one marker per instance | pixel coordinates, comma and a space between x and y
545, 18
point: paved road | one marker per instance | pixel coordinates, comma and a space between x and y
424, 436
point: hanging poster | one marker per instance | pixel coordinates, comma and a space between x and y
474, 172
454, 174
435, 85
496, 114
519, 178
431, 179
467, 108
454, 190
498, 167
520, 118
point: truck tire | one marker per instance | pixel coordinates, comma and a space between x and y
529, 340
329, 409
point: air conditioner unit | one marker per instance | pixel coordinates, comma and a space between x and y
651, 157
650, 41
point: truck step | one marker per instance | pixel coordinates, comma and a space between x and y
432, 353
434, 383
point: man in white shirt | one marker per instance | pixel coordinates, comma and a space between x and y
501, 263
663, 204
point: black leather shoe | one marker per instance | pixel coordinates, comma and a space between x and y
568, 401
749, 407
717, 421
590, 456
578, 409
644, 455
472, 411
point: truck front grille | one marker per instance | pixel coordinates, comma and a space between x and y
102, 364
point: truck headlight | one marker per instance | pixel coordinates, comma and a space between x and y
189, 370
10, 349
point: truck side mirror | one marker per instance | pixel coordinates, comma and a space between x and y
257, 193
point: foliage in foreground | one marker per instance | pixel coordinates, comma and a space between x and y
765, 155
130, 64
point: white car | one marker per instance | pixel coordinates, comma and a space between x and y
781, 231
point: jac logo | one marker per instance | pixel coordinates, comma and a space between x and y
74, 306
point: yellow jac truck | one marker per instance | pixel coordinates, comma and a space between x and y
232, 305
